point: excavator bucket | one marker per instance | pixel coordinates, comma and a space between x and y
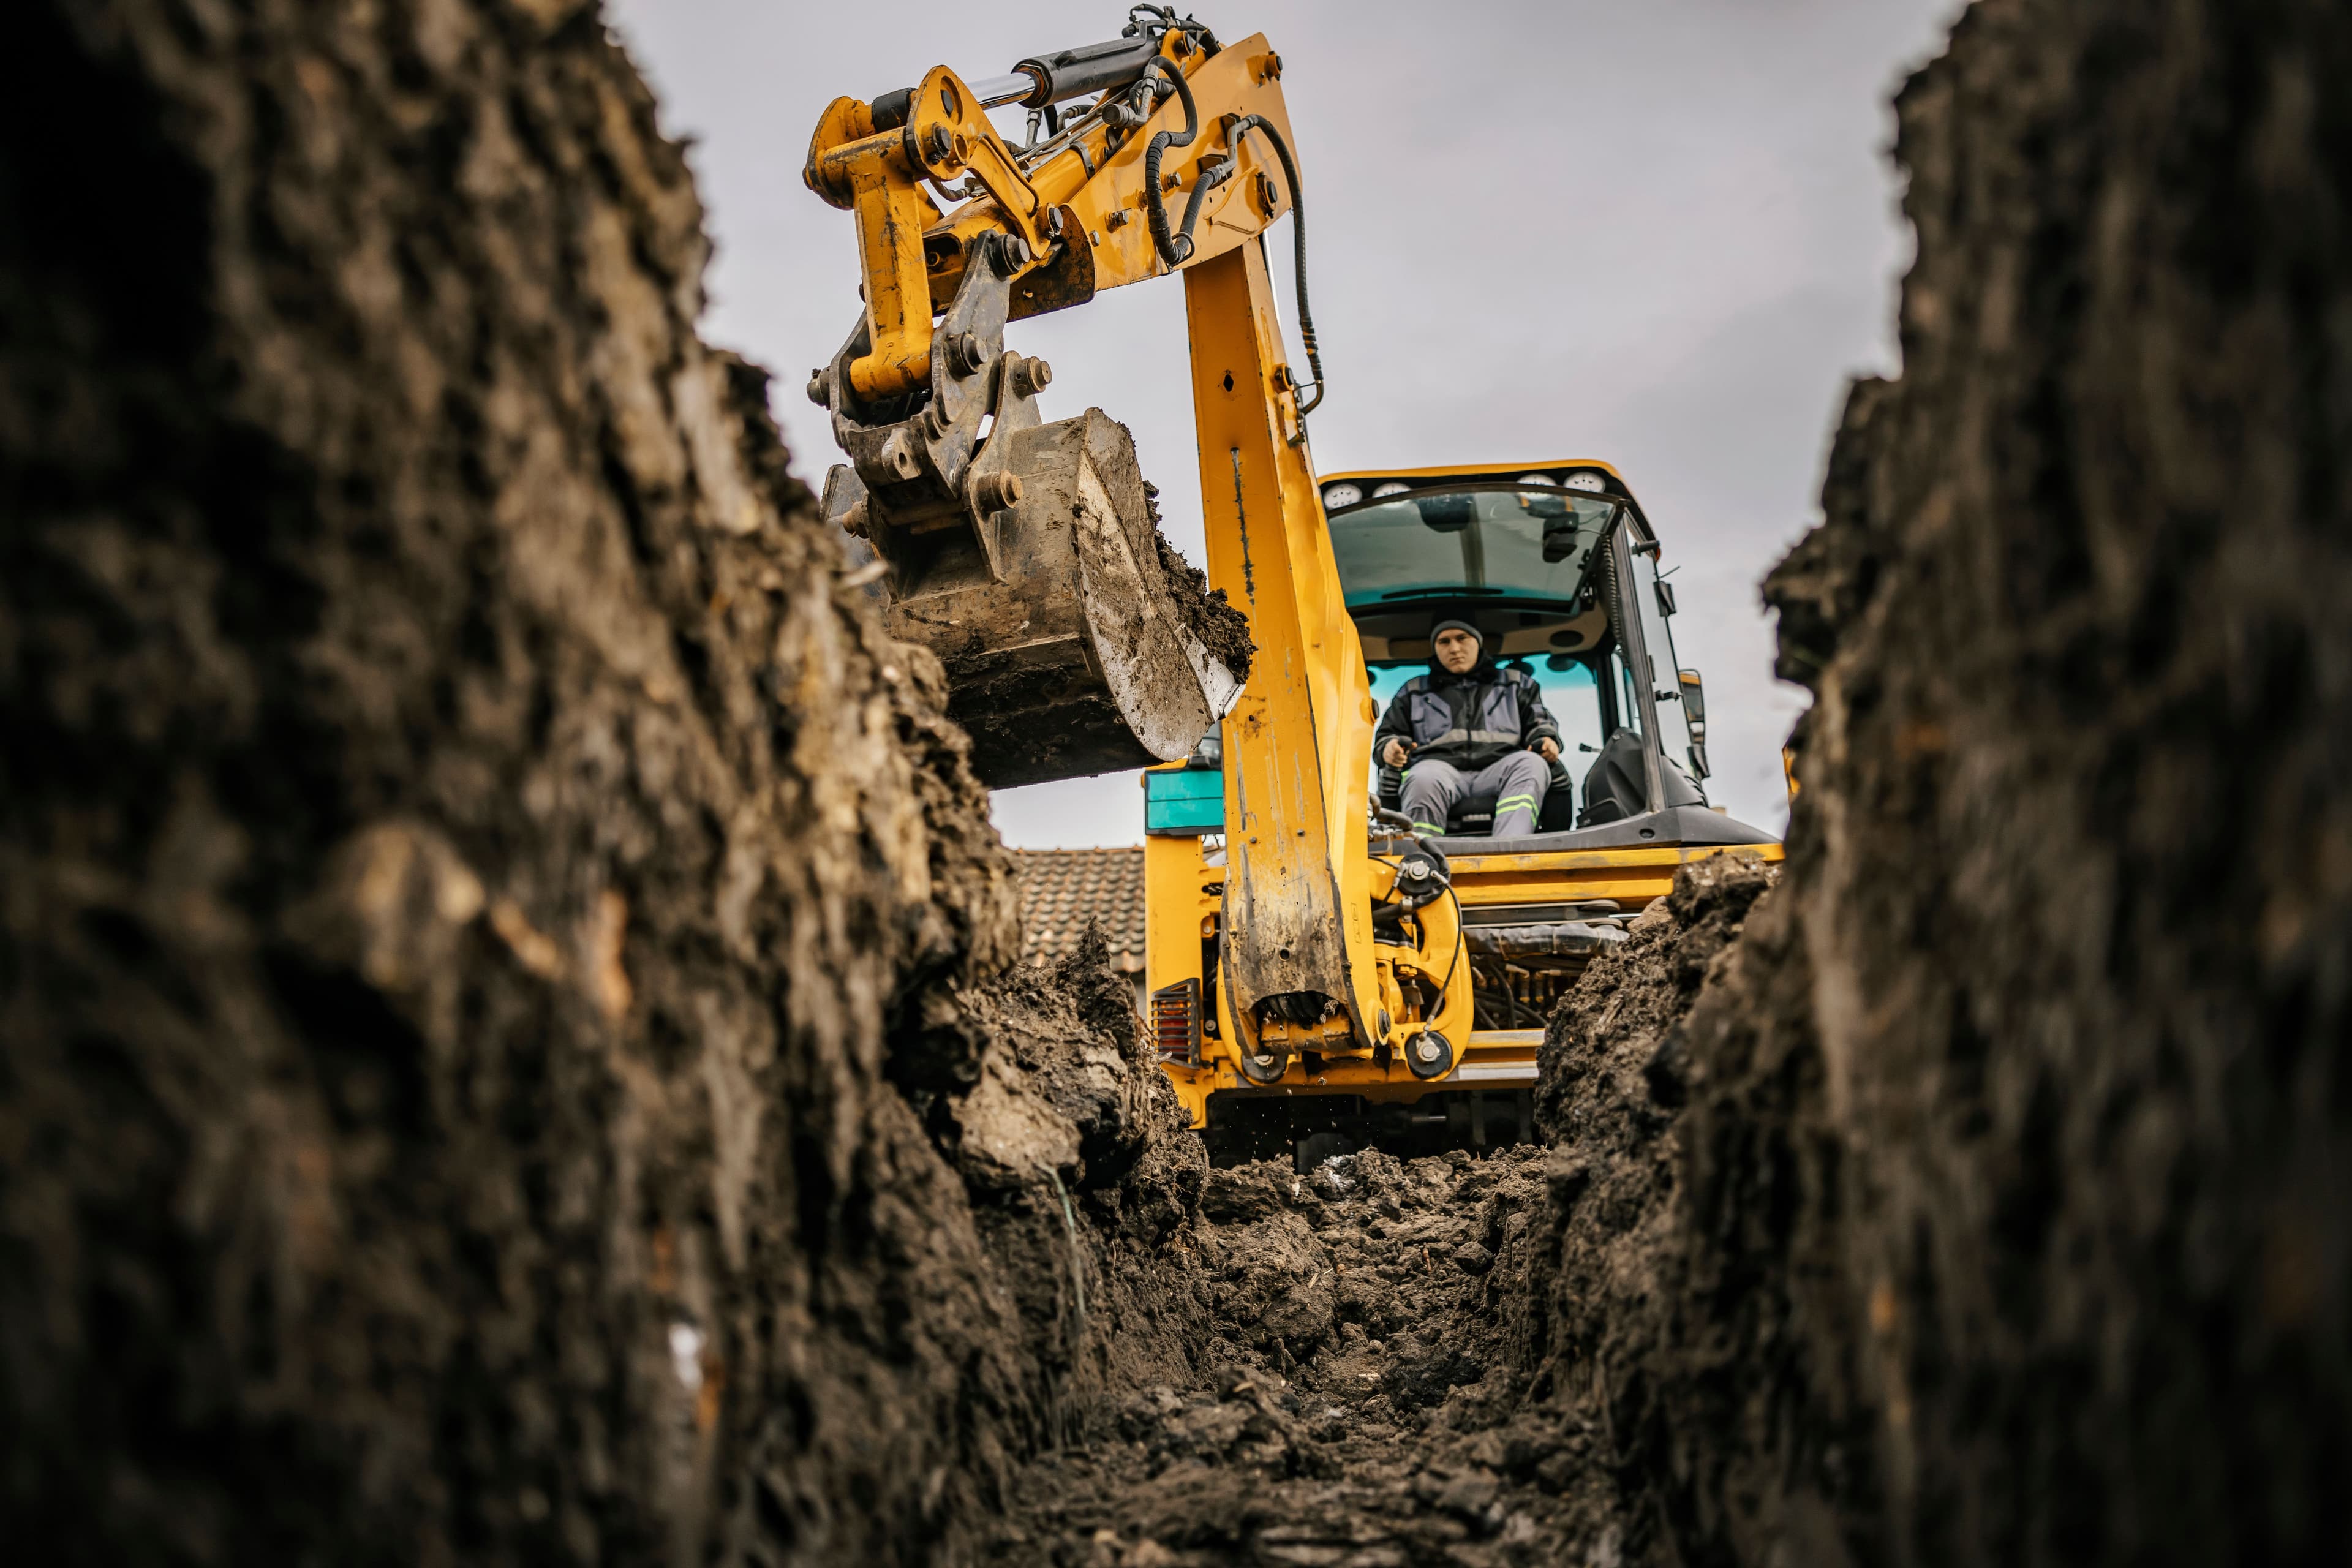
1075, 641
1025, 554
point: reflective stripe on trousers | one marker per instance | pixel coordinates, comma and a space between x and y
1517, 782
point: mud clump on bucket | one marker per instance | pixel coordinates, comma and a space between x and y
1223, 629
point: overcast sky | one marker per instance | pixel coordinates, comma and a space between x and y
1662, 233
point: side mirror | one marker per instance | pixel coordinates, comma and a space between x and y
1694, 698
1695, 711
1666, 607
1446, 513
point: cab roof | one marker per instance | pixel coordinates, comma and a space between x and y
1612, 482
1554, 470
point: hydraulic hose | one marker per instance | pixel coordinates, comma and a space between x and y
1175, 249
1093, 68
1175, 246
1454, 962
1163, 20
1242, 127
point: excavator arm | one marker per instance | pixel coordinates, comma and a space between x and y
1025, 554
1066, 216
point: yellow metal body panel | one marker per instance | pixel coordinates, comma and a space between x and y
1184, 894
1108, 205
1632, 876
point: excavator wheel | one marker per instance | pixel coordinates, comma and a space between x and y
1262, 1065
1429, 1055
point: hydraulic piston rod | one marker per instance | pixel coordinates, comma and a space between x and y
1041, 80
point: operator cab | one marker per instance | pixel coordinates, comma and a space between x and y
1558, 567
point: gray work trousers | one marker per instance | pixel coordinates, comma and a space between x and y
1517, 782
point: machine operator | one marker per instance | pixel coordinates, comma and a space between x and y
1468, 728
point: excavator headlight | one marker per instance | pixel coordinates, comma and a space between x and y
1381, 492
1337, 496
1545, 479
1587, 481
1176, 1021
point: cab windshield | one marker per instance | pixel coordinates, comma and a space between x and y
1510, 542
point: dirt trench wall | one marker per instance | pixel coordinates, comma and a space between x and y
485, 912
2000, 1166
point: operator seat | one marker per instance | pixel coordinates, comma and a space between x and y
1613, 788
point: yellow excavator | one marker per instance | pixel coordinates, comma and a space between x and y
1558, 565
1321, 973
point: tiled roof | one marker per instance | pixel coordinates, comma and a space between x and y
1060, 888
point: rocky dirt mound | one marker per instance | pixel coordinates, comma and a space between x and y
495, 943
1604, 1319
1992, 1224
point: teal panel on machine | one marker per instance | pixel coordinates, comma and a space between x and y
1183, 801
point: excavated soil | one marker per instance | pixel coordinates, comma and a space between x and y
486, 919
1446, 1361
1340, 1389
1993, 1213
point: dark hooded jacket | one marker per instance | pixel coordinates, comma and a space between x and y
1468, 719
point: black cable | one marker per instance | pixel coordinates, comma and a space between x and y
1459, 934
1242, 127
1483, 985
1165, 16
1174, 249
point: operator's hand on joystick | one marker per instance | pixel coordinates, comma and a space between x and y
1393, 754
1550, 748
